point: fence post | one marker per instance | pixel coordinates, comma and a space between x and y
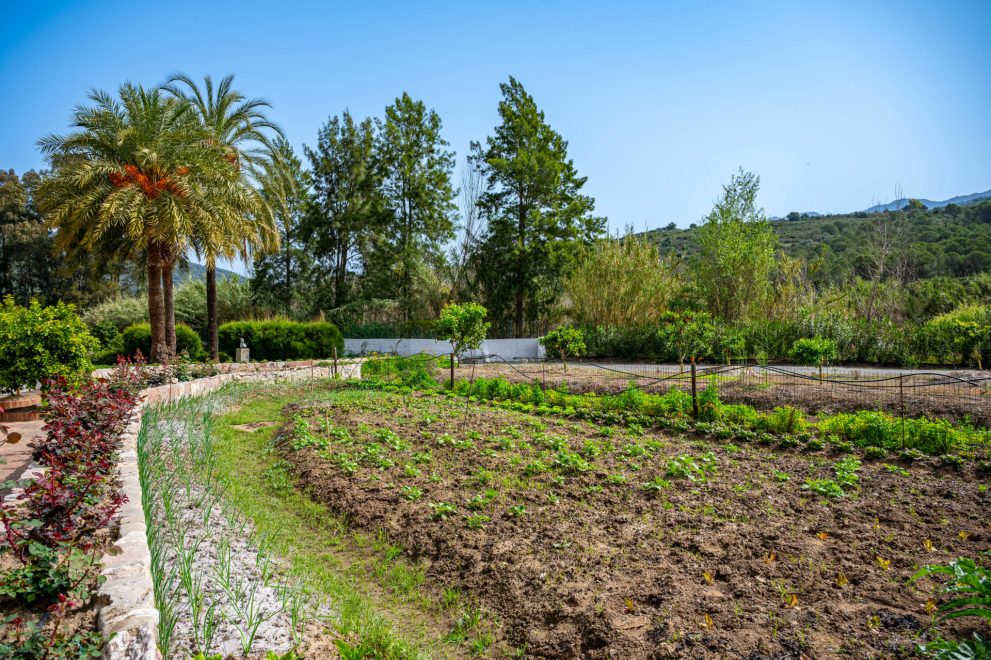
335, 362
695, 397
901, 406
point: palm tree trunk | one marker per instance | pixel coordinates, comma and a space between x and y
156, 309
212, 339
168, 263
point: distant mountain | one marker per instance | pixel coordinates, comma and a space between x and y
899, 204
804, 214
198, 272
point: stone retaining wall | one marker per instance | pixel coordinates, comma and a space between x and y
128, 594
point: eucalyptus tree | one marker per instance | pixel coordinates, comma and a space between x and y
537, 219
239, 126
138, 174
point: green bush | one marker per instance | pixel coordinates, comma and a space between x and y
960, 336
784, 419
370, 330
118, 312
417, 371
564, 341
138, 337
234, 302
280, 339
814, 351
38, 343
628, 343
868, 428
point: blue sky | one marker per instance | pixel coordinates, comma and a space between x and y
834, 104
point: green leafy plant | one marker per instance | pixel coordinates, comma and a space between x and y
814, 351
38, 344
442, 510
969, 590
412, 493
564, 341
688, 467
476, 521
464, 326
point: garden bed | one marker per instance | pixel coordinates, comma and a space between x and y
592, 541
765, 391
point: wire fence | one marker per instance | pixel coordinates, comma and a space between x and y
965, 396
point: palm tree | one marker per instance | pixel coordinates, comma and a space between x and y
238, 125
139, 175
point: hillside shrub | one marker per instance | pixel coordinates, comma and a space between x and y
234, 302
119, 312
41, 343
370, 330
138, 337
814, 351
960, 336
280, 339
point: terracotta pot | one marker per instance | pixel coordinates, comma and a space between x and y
20, 407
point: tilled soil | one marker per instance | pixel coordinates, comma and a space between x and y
955, 400
745, 563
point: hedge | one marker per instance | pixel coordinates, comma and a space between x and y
282, 340
138, 336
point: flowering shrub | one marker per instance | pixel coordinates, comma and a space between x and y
52, 529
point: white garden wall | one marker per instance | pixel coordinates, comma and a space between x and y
505, 349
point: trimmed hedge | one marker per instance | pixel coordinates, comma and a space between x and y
282, 340
138, 336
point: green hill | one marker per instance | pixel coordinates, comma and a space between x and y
950, 241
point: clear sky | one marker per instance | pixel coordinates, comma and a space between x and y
834, 104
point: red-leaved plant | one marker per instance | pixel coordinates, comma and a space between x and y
51, 527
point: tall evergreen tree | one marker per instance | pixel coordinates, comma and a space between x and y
537, 218
419, 200
346, 207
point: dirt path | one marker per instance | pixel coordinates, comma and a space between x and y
16, 456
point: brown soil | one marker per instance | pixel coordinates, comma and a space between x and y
253, 426
954, 401
740, 565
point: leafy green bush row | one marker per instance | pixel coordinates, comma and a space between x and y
962, 336
282, 340
866, 429
869, 428
138, 337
